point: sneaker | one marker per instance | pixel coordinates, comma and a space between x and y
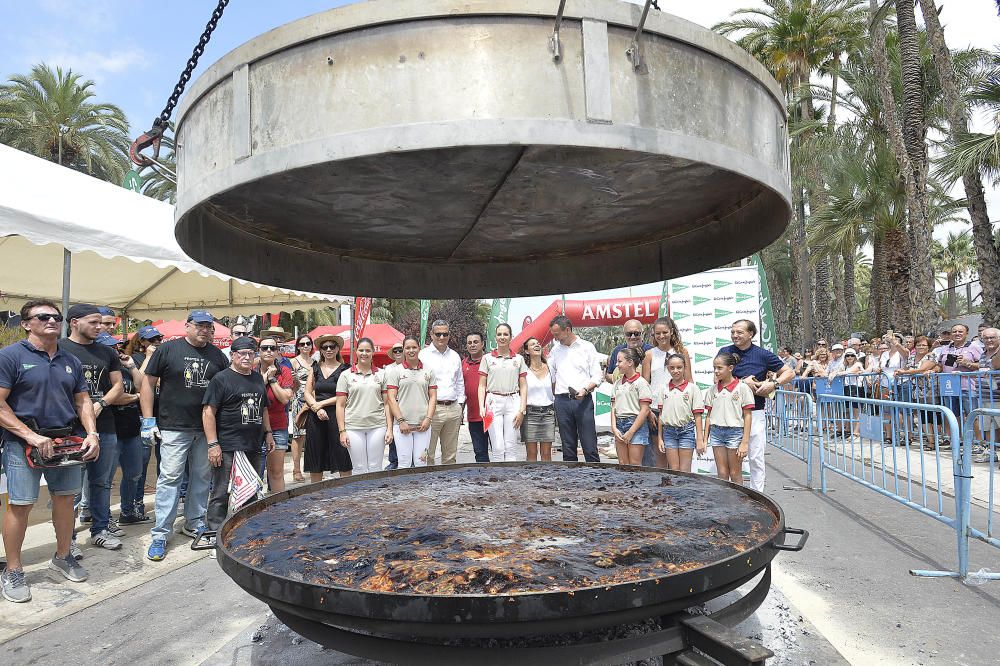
157, 550
114, 529
75, 551
105, 539
85, 517
189, 532
134, 519
15, 586
68, 567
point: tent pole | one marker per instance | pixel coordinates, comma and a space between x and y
67, 267
354, 340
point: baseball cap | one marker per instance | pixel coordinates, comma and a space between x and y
837, 346
850, 352
148, 333
397, 345
107, 339
105, 311
245, 342
200, 317
81, 310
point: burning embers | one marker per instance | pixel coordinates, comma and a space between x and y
501, 530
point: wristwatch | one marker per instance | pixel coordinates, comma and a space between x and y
214, 444
102, 403
95, 434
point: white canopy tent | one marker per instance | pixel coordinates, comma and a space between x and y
122, 248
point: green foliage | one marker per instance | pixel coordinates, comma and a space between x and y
52, 115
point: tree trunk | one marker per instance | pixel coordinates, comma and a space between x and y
850, 299
824, 300
987, 256
899, 279
831, 120
952, 308
840, 326
800, 267
877, 291
914, 138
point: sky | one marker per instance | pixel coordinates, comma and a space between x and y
134, 50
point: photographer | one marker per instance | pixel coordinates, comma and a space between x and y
43, 385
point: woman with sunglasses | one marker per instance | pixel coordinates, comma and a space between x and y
279, 382
411, 395
364, 422
301, 369
323, 450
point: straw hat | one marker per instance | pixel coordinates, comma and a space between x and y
275, 332
328, 337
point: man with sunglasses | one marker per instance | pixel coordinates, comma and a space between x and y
182, 369
45, 386
633, 338
396, 355
446, 365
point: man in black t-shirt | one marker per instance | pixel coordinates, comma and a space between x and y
102, 372
235, 419
182, 369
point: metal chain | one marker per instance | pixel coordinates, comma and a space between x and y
192, 62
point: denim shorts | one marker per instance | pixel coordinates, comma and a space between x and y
23, 482
678, 437
281, 439
727, 436
641, 436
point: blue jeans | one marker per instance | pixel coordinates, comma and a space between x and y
140, 484
480, 441
130, 456
100, 474
678, 437
649, 453
393, 456
576, 421
180, 451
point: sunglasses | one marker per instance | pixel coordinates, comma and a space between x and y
158, 338
329, 347
47, 316
268, 348
633, 334
441, 335
240, 334
396, 351
305, 344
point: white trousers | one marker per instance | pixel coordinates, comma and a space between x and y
411, 449
755, 454
367, 449
504, 437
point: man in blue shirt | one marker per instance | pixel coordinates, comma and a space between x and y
753, 367
42, 387
633, 338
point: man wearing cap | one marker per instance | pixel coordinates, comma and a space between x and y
235, 418
836, 359
102, 371
109, 322
182, 369
396, 354
43, 387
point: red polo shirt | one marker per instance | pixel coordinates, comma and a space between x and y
470, 372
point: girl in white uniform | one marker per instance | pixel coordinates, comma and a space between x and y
365, 423
630, 409
666, 343
503, 390
411, 394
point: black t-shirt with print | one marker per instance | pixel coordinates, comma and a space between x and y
98, 362
127, 417
240, 402
184, 372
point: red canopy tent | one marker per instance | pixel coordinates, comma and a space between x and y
175, 328
383, 335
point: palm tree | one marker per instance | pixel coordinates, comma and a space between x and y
956, 258
51, 114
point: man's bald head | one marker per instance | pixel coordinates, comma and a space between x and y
633, 332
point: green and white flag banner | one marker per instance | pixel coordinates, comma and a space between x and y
425, 313
498, 315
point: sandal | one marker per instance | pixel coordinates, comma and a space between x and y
298, 478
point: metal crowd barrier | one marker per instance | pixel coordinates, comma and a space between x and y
912, 451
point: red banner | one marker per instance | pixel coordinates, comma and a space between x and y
362, 309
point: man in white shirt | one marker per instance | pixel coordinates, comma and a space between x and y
574, 365
836, 359
447, 367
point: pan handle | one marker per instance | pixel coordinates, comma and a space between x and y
794, 547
